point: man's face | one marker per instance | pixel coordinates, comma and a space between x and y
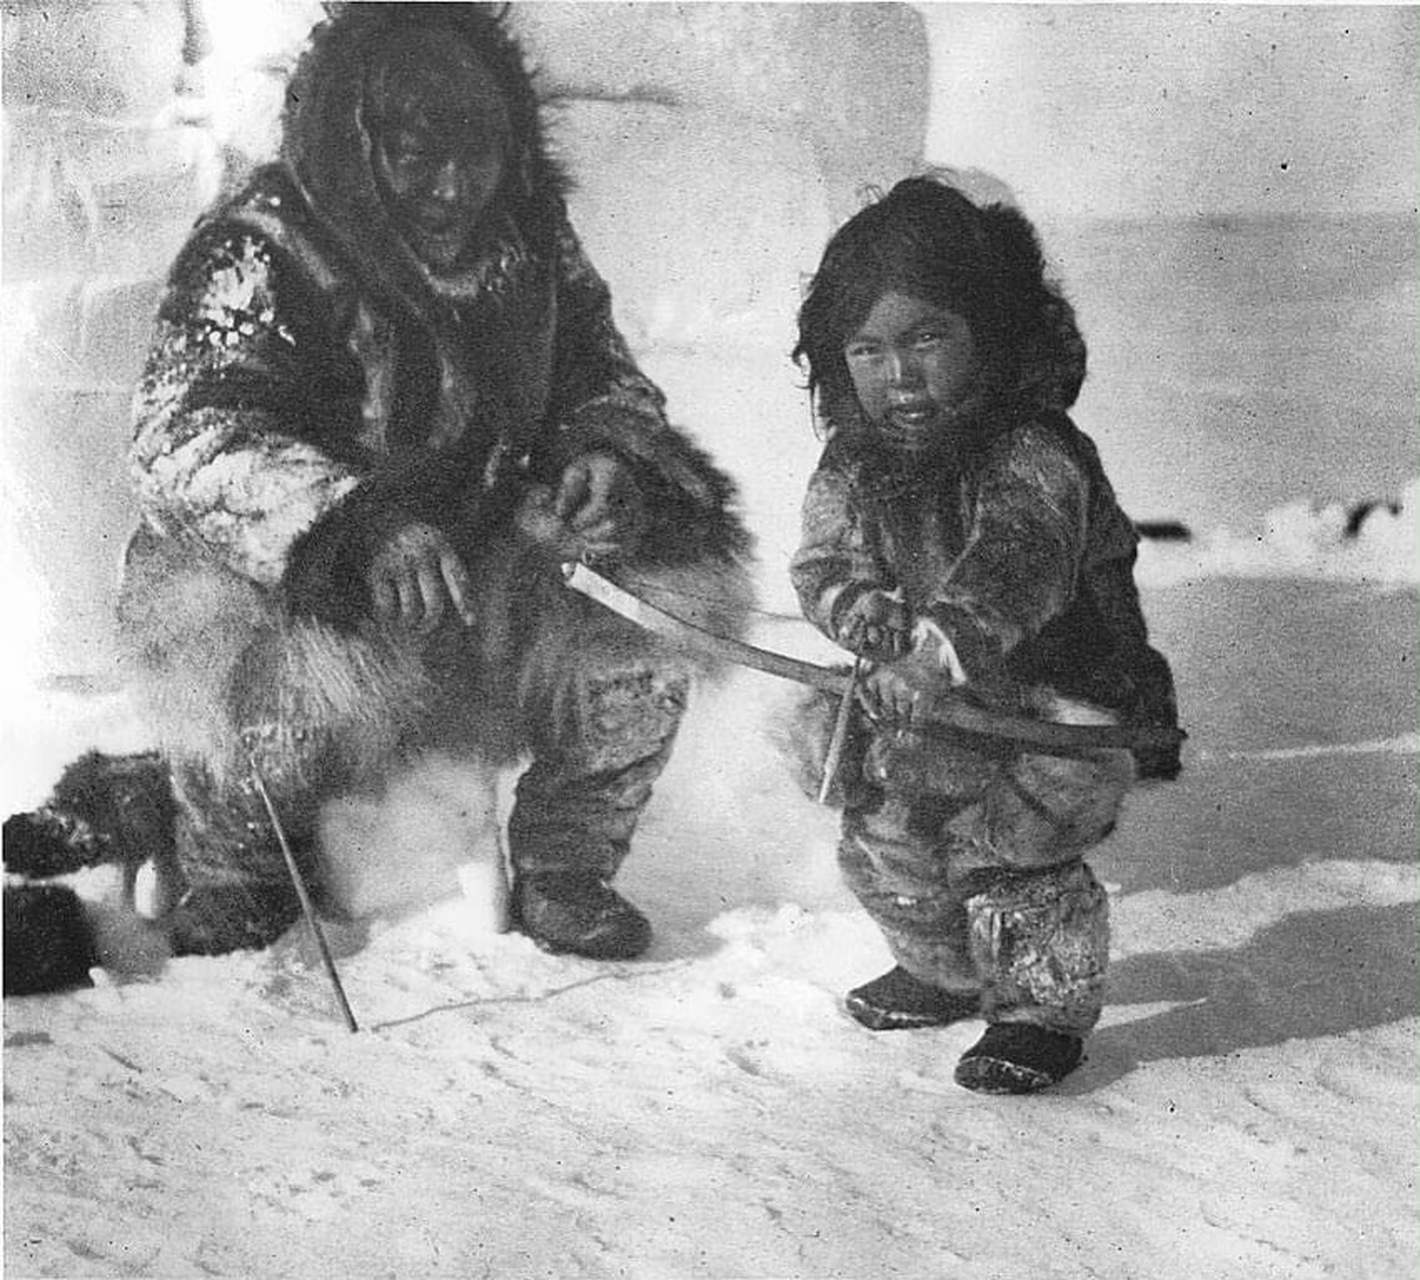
440, 150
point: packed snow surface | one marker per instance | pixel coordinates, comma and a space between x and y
1248, 1108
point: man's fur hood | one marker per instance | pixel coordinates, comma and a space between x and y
327, 147
251, 472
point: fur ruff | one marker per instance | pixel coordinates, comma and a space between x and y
104, 809
223, 672
326, 146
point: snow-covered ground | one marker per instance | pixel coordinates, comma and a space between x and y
1248, 1108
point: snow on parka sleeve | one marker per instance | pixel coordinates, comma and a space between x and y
274, 391
248, 416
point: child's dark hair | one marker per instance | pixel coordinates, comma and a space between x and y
926, 239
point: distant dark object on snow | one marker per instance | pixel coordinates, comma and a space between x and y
1356, 516
1163, 530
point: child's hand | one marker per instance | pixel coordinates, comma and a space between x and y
898, 691
875, 626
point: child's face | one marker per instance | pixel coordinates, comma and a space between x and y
913, 365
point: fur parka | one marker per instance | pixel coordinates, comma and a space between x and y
1011, 545
310, 386
1020, 554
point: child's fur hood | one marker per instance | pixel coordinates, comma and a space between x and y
1018, 313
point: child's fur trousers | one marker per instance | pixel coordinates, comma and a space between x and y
970, 860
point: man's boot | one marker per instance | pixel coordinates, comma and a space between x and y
579, 914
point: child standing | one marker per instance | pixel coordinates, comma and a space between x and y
961, 538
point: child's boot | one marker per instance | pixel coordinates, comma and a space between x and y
1018, 1057
898, 1001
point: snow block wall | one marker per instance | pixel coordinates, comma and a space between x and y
102, 178
714, 148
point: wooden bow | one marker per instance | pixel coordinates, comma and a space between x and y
956, 714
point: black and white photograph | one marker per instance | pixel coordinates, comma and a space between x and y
710, 641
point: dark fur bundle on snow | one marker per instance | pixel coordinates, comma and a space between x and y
104, 809
48, 942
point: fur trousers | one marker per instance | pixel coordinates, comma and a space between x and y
543, 676
971, 862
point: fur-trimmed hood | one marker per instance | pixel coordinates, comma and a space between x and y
327, 146
929, 238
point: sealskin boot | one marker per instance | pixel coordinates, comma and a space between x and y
898, 1001
579, 915
1017, 1057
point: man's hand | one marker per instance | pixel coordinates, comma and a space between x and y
875, 626
416, 576
597, 511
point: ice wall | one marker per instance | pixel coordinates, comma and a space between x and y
102, 177
714, 147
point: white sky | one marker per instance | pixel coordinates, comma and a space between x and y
1180, 109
